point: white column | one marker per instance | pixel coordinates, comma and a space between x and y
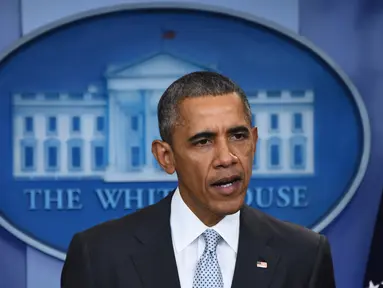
125, 139
40, 134
309, 133
130, 135
17, 134
112, 140
119, 139
63, 126
285, 134
87, 136
62, 144
263, 156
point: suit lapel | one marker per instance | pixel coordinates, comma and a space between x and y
154, 260
252, 248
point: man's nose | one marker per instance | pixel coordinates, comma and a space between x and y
224, 155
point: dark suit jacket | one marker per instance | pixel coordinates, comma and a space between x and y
136, 251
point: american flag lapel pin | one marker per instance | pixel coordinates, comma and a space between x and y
262, 264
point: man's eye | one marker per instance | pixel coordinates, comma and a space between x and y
239, 136
202, 142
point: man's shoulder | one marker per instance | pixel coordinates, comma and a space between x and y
302, 252
285, 234
123, 228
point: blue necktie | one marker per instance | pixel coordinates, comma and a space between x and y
208, 273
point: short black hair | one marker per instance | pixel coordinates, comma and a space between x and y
195, 84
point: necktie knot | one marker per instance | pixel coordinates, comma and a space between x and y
212, 239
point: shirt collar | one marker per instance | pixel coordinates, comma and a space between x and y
186, 227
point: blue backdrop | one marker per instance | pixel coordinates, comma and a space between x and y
346, 31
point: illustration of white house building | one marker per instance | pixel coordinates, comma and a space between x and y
107, 133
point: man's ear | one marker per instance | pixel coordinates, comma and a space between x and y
163, 153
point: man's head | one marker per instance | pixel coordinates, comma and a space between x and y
207, 139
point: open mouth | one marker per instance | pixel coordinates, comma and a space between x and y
227, 181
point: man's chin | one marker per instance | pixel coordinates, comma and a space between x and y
229, 207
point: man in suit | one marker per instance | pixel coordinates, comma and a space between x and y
202, 234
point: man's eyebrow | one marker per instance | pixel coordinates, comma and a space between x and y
210, 135
238, 129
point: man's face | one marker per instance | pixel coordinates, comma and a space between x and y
213, 151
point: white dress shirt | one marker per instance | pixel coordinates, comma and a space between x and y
189, 244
